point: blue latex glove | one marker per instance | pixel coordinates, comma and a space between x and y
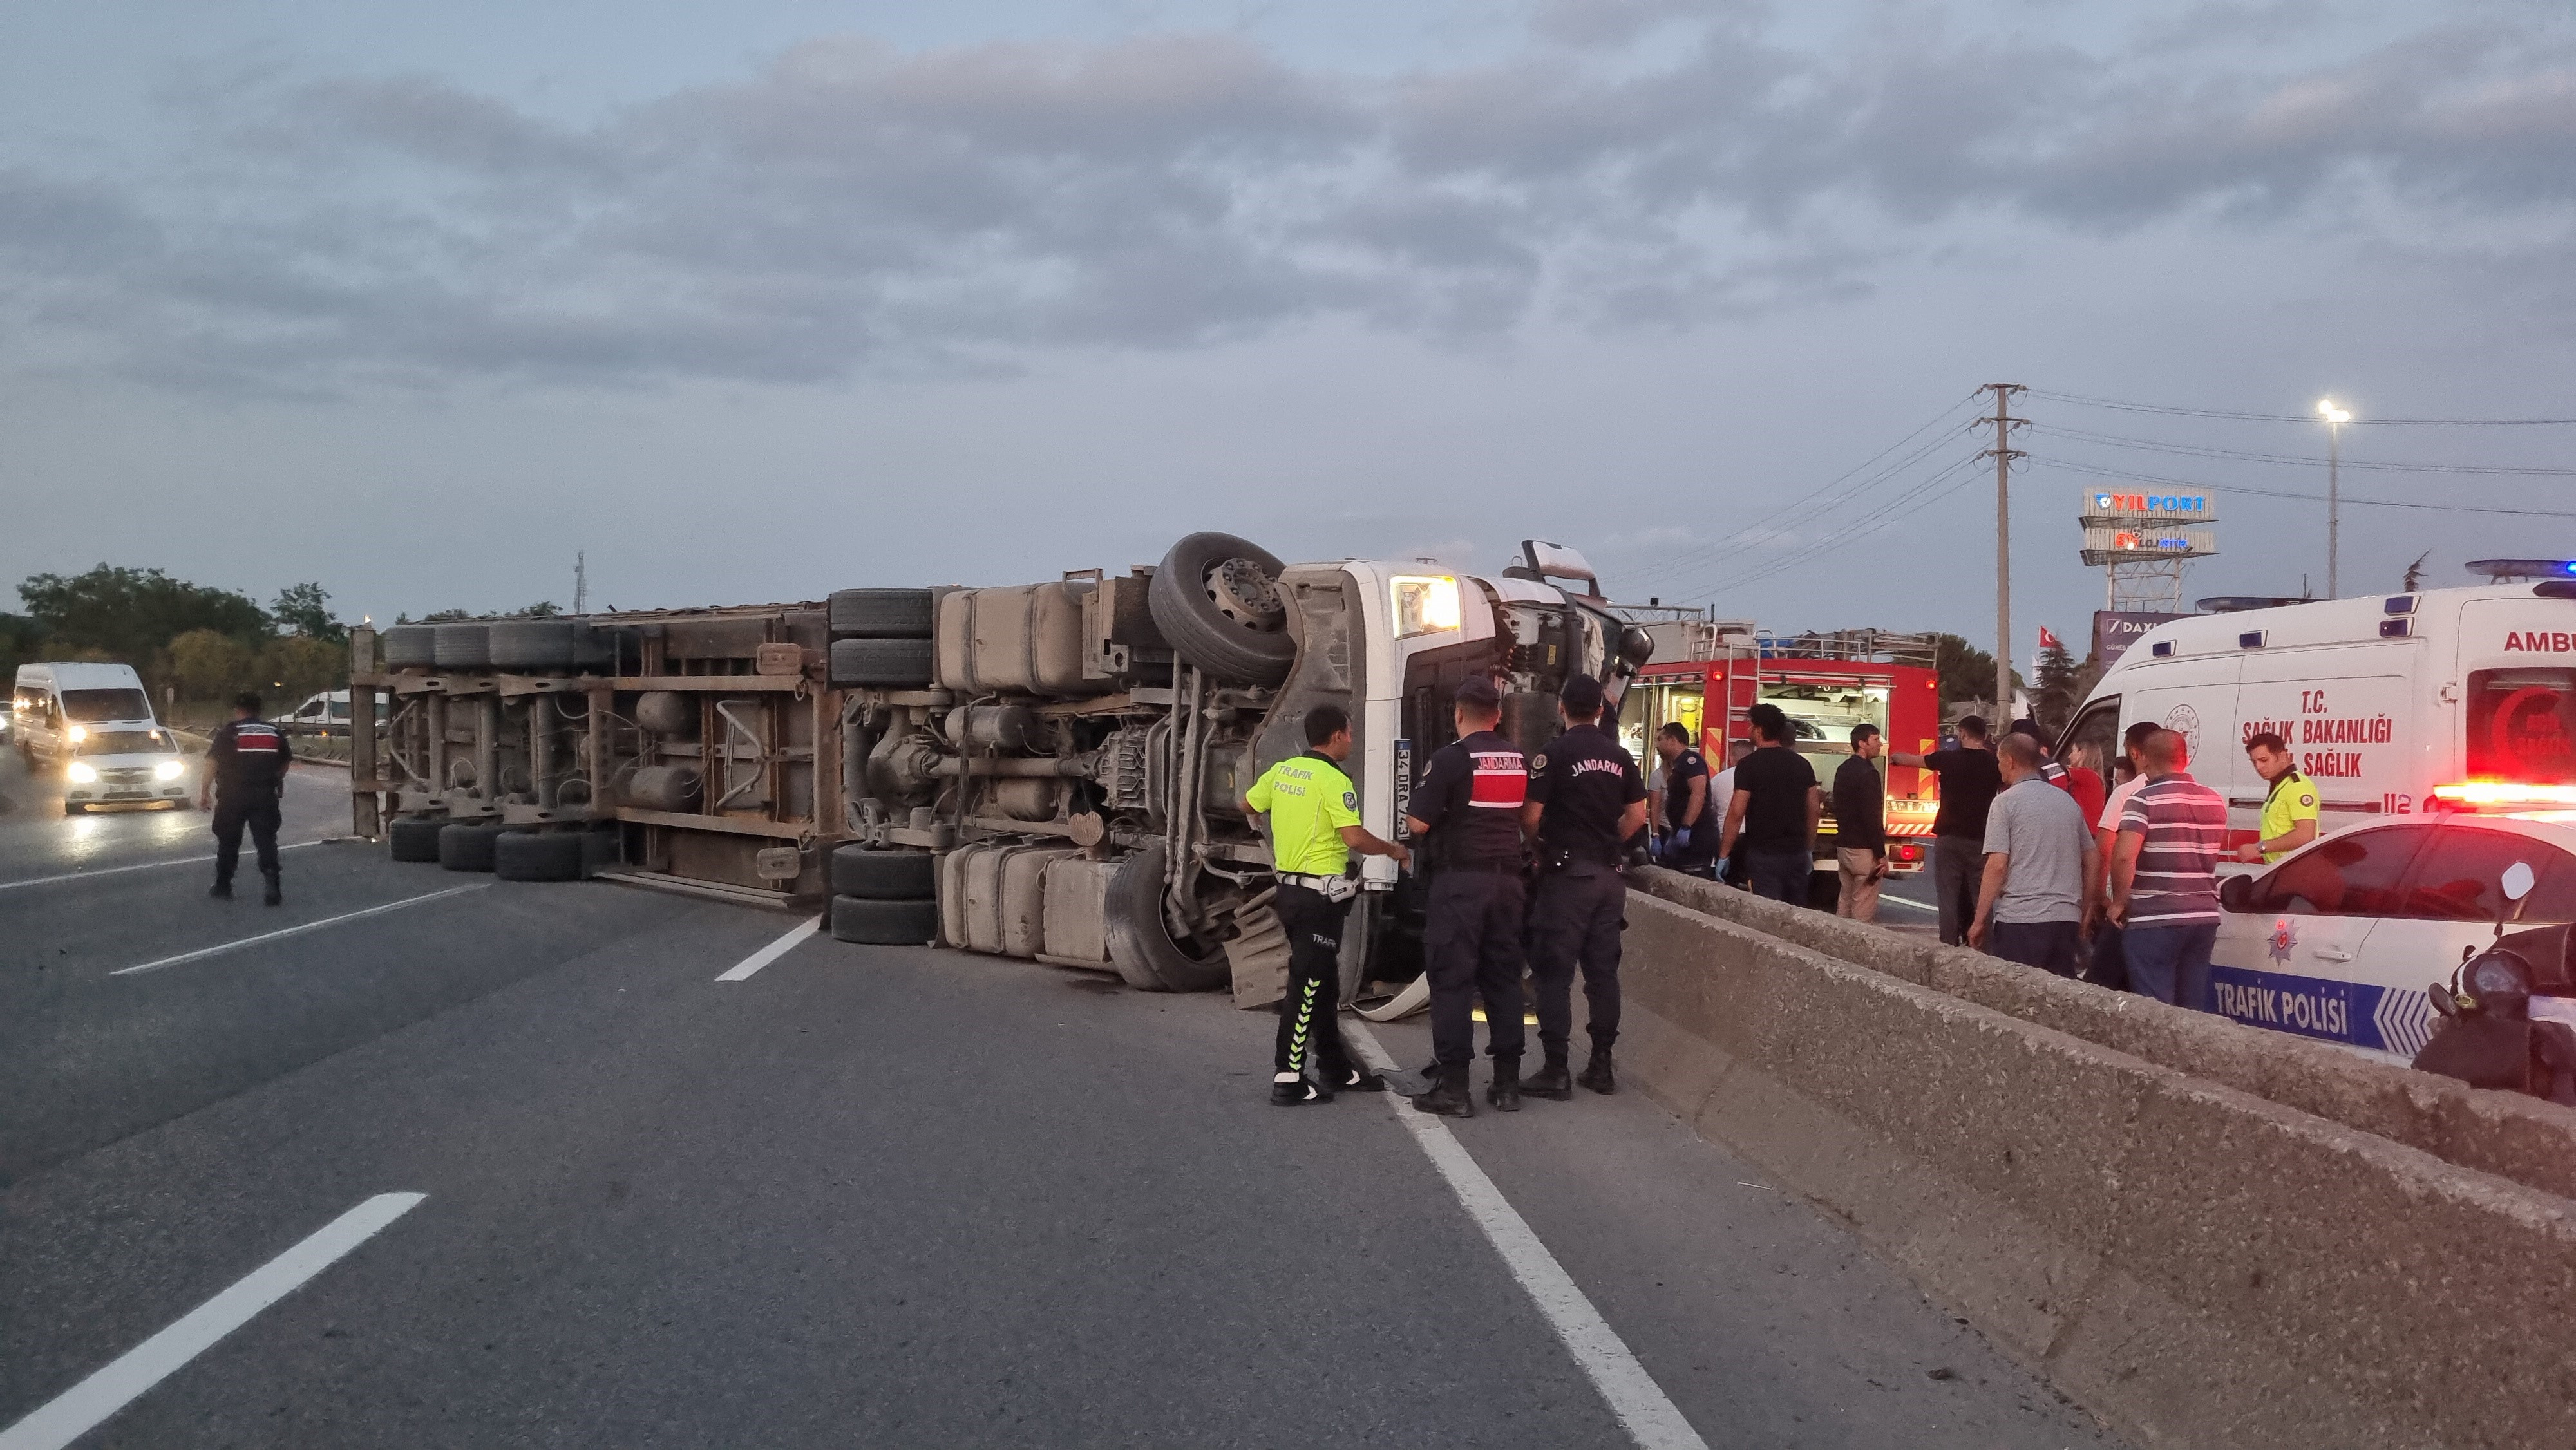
1681, 839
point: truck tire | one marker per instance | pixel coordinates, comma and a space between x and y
884, 923
531, 644
468, 845
414, 838
537, 856
886, 663
462, 647
876, 875
1216, 599
1140, 945
410, 646
880, 613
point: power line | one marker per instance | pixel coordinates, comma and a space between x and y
1920, 497
2385, 503
2126, 407
2199, 451
1813, 502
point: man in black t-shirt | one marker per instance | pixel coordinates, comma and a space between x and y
1467, 804
1585, 800
1860, 826
1969, 781
1776, 809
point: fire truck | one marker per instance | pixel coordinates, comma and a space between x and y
1706, 673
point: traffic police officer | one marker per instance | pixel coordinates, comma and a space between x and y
245, 774
2289, 818
1586, 799
1467, 804
1314, 827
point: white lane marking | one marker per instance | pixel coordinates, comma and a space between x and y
233, 946
771, 952
1640, 1404
1917, 905
77, 1410
139, 866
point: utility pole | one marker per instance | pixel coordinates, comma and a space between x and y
2003, 453
580, 581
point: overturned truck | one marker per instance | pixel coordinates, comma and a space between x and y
1051, 771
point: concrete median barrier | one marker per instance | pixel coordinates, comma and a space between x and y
2190, 1255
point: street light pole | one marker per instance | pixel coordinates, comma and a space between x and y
2003, 453
2335, 419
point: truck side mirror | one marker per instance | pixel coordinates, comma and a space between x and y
2517, 881
2236, 893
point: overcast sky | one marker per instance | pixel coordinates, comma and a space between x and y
759, 300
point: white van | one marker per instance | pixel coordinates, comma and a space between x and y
326, 714
2394, 705
94, 724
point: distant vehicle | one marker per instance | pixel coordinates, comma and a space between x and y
2394, 705
94, 724
326, 714
2337, 939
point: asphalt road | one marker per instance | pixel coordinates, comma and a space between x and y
865, 1196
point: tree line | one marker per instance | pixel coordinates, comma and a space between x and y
195, 640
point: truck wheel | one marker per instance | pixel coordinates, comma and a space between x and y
891, 663
407, 645
537, 856
414, 838
880, 613
876, 875
1216, 599
884, 923
462, 646
530, 644
467, 845
1140, 944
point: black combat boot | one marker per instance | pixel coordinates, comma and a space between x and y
1298, 1092
1596, 1074
222, 890
1550, 1081
1449, 1096
271, 895
1505, 1090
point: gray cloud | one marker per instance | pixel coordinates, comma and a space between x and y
852, 206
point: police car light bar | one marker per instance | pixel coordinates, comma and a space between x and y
2500, 570
2503, 793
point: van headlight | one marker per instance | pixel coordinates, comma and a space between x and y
168, 770
81, 772
79, 733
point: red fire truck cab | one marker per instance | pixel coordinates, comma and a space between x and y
1706, 675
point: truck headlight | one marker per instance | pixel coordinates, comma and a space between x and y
81, 772
79, 733
1424, 604
169, 770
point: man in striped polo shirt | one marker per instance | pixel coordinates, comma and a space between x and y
2164, 877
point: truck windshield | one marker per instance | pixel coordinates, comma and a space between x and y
2522, 726
86, 705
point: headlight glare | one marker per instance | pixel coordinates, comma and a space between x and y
82, 773
79, 733
169, 770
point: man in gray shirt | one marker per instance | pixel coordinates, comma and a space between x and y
2041, 866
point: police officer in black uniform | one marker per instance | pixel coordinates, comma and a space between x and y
1586, 799
245, 774
1466, 805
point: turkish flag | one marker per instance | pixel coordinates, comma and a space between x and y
2047, 640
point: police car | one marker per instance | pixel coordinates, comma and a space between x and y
2339, 939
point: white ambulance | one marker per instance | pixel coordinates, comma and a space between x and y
2440, 731
2394, 705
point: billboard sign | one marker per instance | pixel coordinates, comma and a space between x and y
2115, 630
2114, 507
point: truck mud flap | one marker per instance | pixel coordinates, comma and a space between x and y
1415, 997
